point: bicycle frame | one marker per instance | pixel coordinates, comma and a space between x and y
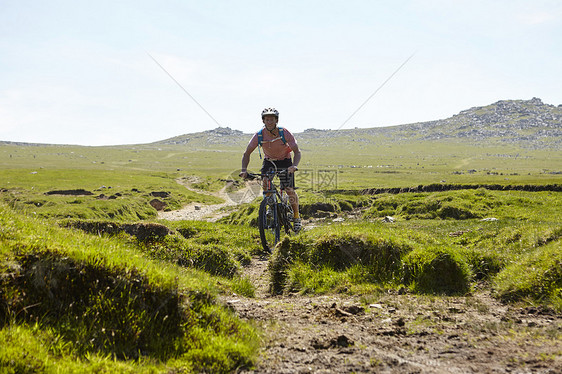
275, 211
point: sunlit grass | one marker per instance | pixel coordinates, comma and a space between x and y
101, 297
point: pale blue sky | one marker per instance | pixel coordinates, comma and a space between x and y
78, 72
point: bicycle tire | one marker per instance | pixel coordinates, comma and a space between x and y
268, 224
287, 213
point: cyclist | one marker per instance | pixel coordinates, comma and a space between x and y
277, 147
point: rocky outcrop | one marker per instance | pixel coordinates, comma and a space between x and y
530, 123
219, 135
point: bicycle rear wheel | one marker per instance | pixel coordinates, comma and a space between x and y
286, 217
268, 223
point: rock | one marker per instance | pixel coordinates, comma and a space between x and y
354, 309
491, 219
388, 219
400, 322
341, 341
158, 204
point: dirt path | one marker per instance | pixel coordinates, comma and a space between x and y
389, 332
211, 212
392, 333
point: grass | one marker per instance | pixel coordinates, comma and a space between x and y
115, 195
88, 284
538, 276
429, 253
101, 297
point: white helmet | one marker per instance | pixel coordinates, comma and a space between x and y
269, 111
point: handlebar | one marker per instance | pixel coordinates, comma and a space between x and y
253, 176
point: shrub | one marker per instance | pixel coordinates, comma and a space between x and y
436, 271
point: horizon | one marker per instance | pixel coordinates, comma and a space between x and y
107, 73
251, 133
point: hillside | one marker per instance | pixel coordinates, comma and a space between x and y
530, 123
527, 123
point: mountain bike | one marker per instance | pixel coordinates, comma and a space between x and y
275, 211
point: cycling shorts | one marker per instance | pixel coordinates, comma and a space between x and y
287, 180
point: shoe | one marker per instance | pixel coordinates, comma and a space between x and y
297, 225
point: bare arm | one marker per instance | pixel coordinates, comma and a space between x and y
245, 162
296, 158
246, 157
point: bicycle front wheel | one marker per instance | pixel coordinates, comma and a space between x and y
268, 223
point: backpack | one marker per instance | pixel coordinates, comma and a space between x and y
260, 138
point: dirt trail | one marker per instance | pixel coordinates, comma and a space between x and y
211, 212
398, 333
391, 332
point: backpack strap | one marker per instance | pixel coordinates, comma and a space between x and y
282, 134
260, 138
260, 141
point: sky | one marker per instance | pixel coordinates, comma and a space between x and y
109, 72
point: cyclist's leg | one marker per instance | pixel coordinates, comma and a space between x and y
266, 167
288, 184
293, 200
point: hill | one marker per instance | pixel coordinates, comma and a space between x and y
526, 123
529, 123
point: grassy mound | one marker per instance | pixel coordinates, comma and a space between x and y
246, 214
458, 205
104, 305
537, 277
332, 257
186, 243
436, 270
434, 257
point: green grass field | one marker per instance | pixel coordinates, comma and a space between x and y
85, 289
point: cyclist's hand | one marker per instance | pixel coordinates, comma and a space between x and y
243, 174
291, 169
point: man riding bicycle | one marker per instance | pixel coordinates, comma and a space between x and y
277, 144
